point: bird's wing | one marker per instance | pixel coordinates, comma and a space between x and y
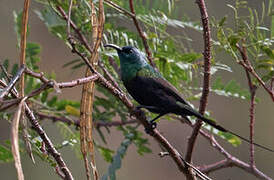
161, 83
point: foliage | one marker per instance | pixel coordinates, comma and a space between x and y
174, 56
251, 32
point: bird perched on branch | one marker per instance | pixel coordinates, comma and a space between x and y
154, 93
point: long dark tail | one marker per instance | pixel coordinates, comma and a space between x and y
220, 128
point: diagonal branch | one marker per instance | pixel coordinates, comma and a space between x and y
141, 33
248, 67
50, 147
12, 83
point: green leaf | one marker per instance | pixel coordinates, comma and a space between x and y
44, 96
33, 49
71, 62
52, 102
6, 66
219, 66
29, 84
14, 69
235, 141
5, 154
231, 89
50, 18
18, 25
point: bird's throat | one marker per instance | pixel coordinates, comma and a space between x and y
129, 71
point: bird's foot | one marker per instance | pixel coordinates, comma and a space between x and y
136, 110
151, 127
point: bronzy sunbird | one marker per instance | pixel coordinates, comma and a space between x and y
153, 92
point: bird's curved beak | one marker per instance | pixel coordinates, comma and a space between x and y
113, 46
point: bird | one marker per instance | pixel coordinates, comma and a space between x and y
154, 93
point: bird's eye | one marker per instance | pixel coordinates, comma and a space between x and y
130, 51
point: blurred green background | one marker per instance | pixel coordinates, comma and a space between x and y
231, 113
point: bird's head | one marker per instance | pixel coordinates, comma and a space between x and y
129, 55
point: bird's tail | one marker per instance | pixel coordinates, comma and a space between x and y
220, 128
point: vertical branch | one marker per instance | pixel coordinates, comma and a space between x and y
141, 33
83, 123
251, 125
206, 81
15, 141
252, 90
23, 43
86, 121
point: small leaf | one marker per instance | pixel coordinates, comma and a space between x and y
14, 69
71, 63
5, 154
72, 111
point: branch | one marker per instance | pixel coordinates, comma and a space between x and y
207, 57
23, 43
141, 33
252, 90
216, 166
229, 161
246, 64
62, 85
120, 95
119, 8
50, 147
97, 124
15, 140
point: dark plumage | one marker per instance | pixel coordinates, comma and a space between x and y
155, 93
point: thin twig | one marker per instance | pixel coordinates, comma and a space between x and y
249, 68
97, 124
119, 8
50, 147
114, 65
23, 46
216, 166
12, 83
23, 43
141, 33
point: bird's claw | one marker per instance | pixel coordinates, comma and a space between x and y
152, 126
136, 110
